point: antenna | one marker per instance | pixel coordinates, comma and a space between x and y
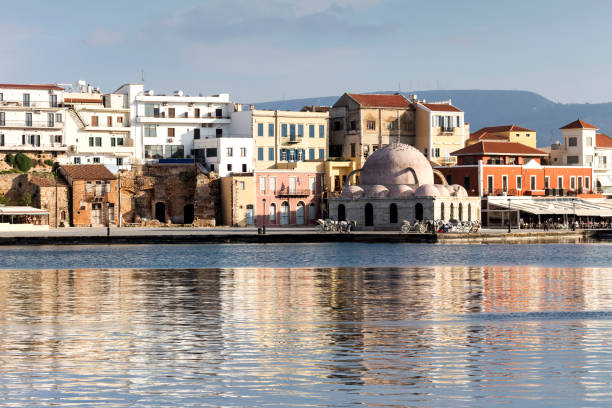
142, 75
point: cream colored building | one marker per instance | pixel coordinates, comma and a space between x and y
238, 200
440, 130
509, 133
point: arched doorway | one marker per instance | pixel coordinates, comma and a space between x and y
369, 215
312, 211
442, 211
188, 214
418, 212
393, 213
460, 211
300, 219
272, 214
160, 212
284, 213
341, 213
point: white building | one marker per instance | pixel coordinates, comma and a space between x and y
98, 128
226, 155
584, 146
32, 119
165, 126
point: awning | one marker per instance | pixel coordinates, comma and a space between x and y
9, 210
555, 206
605, 181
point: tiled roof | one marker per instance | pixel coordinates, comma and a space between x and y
603, 140
579, 124
486, 136
82, 100
47, 182
498, 148
88, 172
381, 100
32, 86
504, 128
441, 107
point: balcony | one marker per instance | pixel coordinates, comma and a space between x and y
182, 119
294, 139
55, 147
292, 192
42, 124
31, 105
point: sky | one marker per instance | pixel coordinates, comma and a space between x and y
264, 50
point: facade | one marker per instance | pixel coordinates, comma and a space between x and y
396, 184
440, 130
98, 129
584, 146
238, 200
95, 194
508, 133
32, 120
165, 126
489, 168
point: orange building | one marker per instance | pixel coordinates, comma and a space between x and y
94, 191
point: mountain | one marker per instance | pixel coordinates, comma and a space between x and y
492, 108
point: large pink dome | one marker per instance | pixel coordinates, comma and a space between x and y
391, 165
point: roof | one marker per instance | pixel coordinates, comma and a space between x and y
486, 136
503, 128
82, 100
47, 182
33, 86
88, 172
498, 148
381, 100
441, 107
579, 124
603, 140
21, 210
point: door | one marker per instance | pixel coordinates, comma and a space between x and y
284, 213
96, 214
250, 215
418, 211
291, 185
160, 212
299, 213
188, 214
110, 216
369, 215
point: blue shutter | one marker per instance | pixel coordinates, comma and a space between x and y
321, 131
270, 153
284, 130
322, 154
271, 129
311, 130
260, 153
260, 129
311, 154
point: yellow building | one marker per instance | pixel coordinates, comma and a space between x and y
238, 200
337, 172
509, 133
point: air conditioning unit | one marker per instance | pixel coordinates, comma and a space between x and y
170, 140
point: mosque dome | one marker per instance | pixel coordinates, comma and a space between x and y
396, 163
352, 192
444, 190
458, 191
400, 190
427, 190
376, 191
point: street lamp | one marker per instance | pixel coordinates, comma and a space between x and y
263, 215
509, 217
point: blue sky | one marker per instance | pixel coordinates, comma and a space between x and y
261, 50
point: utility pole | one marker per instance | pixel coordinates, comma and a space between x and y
119, 199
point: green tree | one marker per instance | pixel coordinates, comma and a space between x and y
23, 162
10, 159
3, 199
26, 199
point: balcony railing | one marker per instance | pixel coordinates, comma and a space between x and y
32, 104
294, 139
291, 192
32, 124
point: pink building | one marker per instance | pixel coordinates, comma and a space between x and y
288, 197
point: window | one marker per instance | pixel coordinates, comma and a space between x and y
579, 182
459, 122
94, 121
322, 154
436, 152
572, 141
371, 125
337, 125
219, 112
96, 160
393, 213
311, 131
260, 129
391, 125
589, 160
587, 183
244, 167
547, 182
150, 131
353, 150
109, 121
353, 125
119, 141
58, 117
271, 153
560, 182
243, 152
490, 184
262, 184
284, 130
283, 154
175, 152
113, 142
260, 153
292, 131
312, 182
196, 113
300, 154
229, 167
505, 183
28, 121
32, 140
572, 160
572, 183
171, 112
98, 141
242, 185
589, 141
466, 183
532, 183
219, 133
272, 184
26, 99
321, 131
272, 216
311, 154
229, 151
2, 119
519, 182
300, 130
270, 129
1, 96
50, 119
170, 132
91, 142
211, 152
77, 160
1, 139
119, 161
196, 133
152, 109
153, 151
53, 101
291, 155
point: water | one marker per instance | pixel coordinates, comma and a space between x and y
195, 335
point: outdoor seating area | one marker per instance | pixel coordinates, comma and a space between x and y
23, 219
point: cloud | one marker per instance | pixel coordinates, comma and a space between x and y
104, 38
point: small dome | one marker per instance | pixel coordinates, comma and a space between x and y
444, 192
427, 190
458, 191
352, 192
400, 190
376, 191
392, 165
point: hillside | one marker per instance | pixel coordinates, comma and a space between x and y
490, 108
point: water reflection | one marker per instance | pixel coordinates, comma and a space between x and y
426, 336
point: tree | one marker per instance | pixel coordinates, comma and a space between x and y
3, 199
23, 162
26, 199
10, 160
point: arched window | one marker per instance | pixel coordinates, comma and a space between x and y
369, 215
341, 213
452, 211
470, 212
312, 211
418, 211
299, 213
460, 212
442, 211
63, 216
272, 217
284, 213
393, 213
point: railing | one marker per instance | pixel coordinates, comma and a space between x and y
34, 124
182, 116
32, 104
288, 192
293, 139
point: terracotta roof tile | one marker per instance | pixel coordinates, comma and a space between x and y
88, 172
504, 128
381, 100
603, 140
499, 148
47, 182
82, 100
579, 124
486, 136
32, 86
441, 107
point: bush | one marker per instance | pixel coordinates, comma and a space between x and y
10, 159
49, 162
3, 199
26, 199
55, 167
23, 162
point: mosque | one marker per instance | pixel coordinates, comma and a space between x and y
396, 184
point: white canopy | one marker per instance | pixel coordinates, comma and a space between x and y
594, 207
